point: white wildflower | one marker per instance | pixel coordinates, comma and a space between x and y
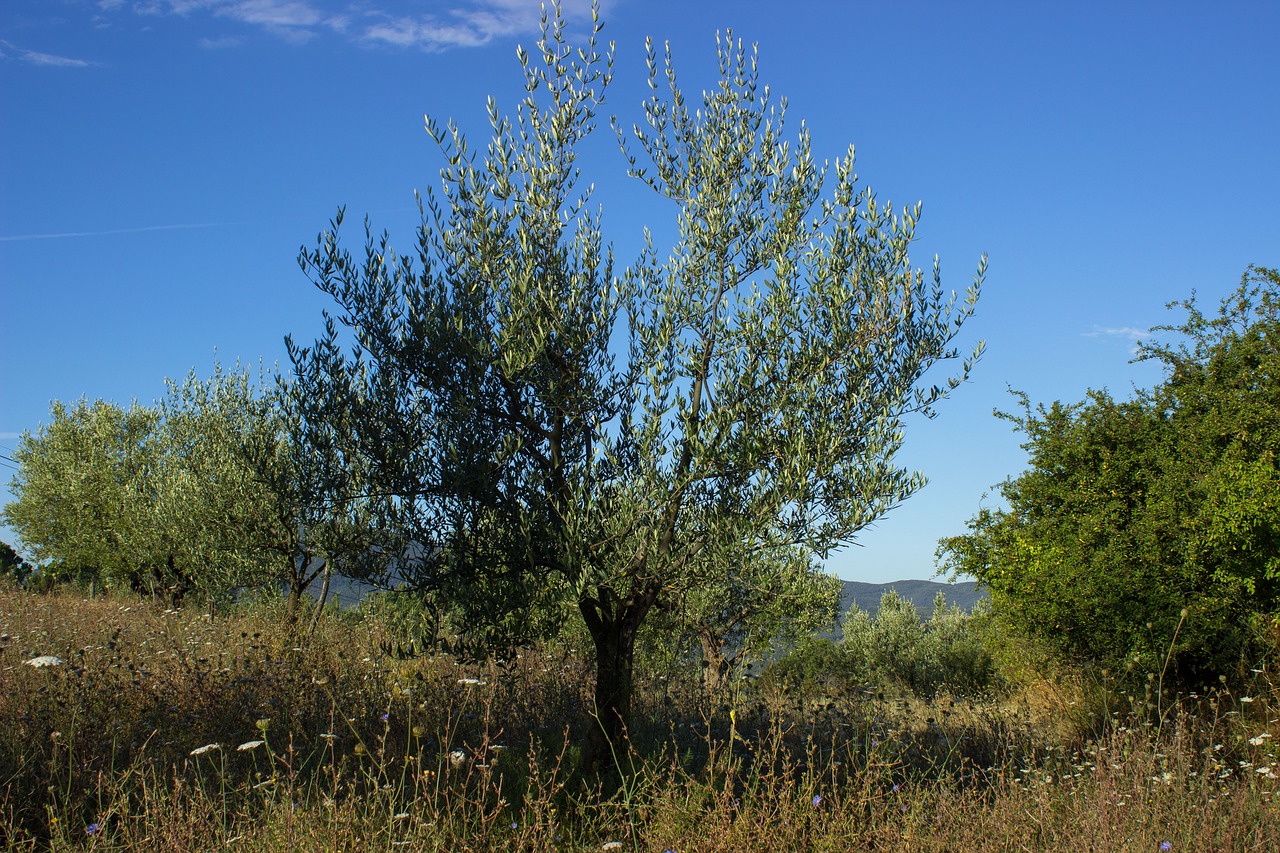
611, 845
43, 661
208, 747
249, 744
1260, 739
457, 758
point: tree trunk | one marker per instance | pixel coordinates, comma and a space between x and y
295, 599
614, 634
324, 595
715, 665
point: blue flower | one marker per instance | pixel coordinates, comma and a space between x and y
385, 717
1166, 845
93, 828
817, 800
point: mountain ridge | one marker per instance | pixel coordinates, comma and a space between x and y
920, 593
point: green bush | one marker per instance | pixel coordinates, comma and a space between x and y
897, 648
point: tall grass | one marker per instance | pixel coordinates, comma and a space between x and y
165, 730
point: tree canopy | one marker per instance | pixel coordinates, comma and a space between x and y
561, 437
222, 485
1144, 532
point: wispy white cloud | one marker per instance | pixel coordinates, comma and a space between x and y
1118, 332
221, 42
32, 57
1134, 335
464, 23
468, 24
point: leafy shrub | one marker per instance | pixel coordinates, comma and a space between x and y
896, 647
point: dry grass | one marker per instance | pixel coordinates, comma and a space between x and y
363, 751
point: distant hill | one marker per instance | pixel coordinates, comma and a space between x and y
919, 593
347, 593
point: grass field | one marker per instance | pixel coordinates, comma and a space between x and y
173, 731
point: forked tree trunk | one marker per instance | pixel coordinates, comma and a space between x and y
716, 665
324, 595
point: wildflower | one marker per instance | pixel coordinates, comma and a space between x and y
93, 828
1260, 739
385, 717
262, 724
895, 787
208, 747
1245, 700
457, 758
817, 800
611, 845
43, 661
400, 816
515, 825
1166, 845
249, 744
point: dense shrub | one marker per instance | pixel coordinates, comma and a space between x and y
895, 649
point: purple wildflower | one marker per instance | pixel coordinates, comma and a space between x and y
817, 800
1166, 845
93, 828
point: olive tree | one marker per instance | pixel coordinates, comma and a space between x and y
557, 437
224, 484
78, 507
738, 603
250, 492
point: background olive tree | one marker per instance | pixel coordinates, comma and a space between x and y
224, 485
78, 510
738, 605
559, 438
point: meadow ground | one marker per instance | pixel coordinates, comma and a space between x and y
173, 731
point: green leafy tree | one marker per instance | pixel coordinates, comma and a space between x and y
1144, 532
558, 438
221, 486
210, 518
77, 508
249, 493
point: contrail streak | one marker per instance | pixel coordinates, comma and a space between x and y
19, 237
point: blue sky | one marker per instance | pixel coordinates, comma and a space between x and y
163, 161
